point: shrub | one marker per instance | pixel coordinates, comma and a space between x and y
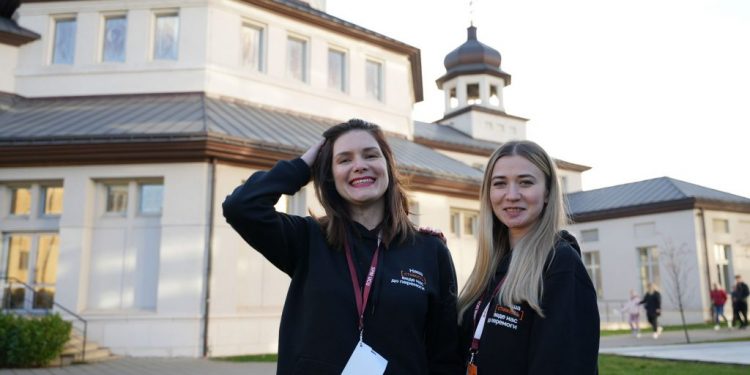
31, 342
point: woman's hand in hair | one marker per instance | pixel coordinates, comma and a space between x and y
312, 153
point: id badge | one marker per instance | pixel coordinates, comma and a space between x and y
471, 369
365, 361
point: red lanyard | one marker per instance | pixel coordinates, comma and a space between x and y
360, 295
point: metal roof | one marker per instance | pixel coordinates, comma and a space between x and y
644, 193
450, 135
126, 118
13, 34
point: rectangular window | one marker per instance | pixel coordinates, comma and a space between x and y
20, 201
53, 196
374, 80
64, 48
456, 223
471, 221
296, 59
722, 257
166, 36
45, 270
648, 259
117, 199
590, 235
336, 70
591, 262
115, 34
151, 196
721, 226
252, 47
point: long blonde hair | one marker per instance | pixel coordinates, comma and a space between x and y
524, 280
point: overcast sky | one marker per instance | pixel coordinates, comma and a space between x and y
635, 89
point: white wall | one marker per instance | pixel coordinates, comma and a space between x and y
209, 60
9, 56
173, 326
618, 242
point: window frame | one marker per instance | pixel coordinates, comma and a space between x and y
262, 40
43, 199
652, 255
154, 32
55, 19
305, 58
344, 69
594, 269
381, 79
104, 18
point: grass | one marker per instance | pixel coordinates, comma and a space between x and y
616, 365
249, 358
667, 328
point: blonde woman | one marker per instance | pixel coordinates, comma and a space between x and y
529, 306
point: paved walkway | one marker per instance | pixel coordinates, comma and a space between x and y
671, 345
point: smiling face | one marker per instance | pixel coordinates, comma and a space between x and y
360, 172
518, 193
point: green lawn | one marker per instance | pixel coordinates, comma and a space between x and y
648, 329
616, 365
250, 358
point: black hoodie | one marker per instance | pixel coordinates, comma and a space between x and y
410, 318
516, 340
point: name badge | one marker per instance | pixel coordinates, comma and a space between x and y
365, 361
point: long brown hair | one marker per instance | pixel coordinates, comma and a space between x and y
396, 224
524, 280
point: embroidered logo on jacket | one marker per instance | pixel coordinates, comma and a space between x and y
411, 277
505, 316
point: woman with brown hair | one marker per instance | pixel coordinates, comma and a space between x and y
369, 293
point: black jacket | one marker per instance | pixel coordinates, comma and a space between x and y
565, 341
652, 303
410, 318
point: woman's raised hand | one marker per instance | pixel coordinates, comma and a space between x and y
312, 153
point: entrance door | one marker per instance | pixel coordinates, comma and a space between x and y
31, 259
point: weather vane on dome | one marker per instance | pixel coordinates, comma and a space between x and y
471, 12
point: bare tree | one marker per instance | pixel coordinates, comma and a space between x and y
676, 262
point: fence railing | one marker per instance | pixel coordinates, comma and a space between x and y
21, 298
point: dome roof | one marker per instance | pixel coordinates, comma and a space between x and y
473, 57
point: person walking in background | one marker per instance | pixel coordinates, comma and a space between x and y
632, 309
739, 302
652, 303
369, 293
528, 307
718, 299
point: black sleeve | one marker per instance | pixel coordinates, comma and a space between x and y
281, 238
566, 340
441, 334
657, 298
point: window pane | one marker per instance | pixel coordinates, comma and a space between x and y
590, 235
151, 198
166, 37
65, 41
374, 80
18, 257
252, 43
53, 200
117, 198
20, 201
296, 59
46, 259
115, 31
336, 70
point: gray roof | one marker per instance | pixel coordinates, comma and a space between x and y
10, 27
126, 118
657, 191
450, 135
